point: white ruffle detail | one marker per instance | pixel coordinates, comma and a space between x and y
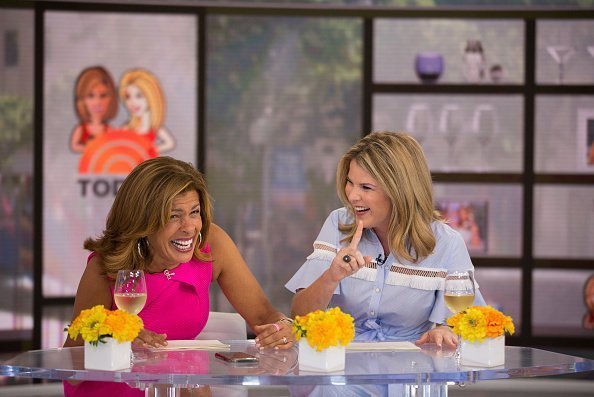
365, 273
424, 278
323, 250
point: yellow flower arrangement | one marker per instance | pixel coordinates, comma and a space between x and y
479, 322
323, 329
97, 323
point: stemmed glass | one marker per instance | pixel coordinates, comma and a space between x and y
485, 124
451, 124
419, 122
130, 291
459, 295
560, 54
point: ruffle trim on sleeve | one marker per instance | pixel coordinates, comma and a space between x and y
323, 250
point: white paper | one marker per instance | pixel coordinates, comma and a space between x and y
193, 344
383, 346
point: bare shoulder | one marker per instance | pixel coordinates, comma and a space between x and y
218, 238
95, 267
223, 250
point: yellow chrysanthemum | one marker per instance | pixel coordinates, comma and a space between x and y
97, 323
323, 329
479, 322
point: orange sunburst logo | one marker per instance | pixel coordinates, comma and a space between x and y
116, 152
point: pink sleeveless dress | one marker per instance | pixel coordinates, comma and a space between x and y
177, 306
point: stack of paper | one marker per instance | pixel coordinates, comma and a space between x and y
382, 346
193, 344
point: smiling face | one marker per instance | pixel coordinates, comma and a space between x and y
135, 101
175, 242
97, 101
369, 201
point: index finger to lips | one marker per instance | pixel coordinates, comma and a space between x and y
357, 236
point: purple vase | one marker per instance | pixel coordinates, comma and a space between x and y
429, 66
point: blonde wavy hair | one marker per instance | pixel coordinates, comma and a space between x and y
86, 81
397, 162
142, 206
149, 85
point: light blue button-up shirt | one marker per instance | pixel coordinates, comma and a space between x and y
395, 301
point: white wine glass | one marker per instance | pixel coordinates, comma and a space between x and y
130, 291
459, 295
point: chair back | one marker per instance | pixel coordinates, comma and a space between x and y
220, 325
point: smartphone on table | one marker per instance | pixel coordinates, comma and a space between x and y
237, 357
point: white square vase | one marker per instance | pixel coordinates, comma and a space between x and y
488, 353
328, 360
111, 355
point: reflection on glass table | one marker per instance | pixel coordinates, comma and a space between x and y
428, 370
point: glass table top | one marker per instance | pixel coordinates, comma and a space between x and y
277, 367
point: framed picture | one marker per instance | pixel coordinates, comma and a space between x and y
470, 219
113, 98
585, 139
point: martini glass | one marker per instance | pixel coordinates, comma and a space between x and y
561, 54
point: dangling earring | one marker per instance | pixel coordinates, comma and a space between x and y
199, 238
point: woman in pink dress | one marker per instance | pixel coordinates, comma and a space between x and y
161, 223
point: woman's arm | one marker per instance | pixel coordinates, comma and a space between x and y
75, 144
244, 292
317, 295
165, 141
93, 289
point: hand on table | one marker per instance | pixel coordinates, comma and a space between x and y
439, 335
148, 338
277, 335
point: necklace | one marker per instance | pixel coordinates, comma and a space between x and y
168, 274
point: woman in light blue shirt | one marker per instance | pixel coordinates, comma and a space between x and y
383, 258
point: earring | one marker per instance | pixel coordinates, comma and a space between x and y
199, 238
139, 245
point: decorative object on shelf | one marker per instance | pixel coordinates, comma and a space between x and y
496, 73
419, 121
451, 125
485, 126
429, 66
108, 335
482, 330
473, 69
323, 336
561, 54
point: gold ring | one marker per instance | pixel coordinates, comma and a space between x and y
285, 340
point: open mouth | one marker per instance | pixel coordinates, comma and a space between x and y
183, 245
361, 210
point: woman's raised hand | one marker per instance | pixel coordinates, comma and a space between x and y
348, 260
